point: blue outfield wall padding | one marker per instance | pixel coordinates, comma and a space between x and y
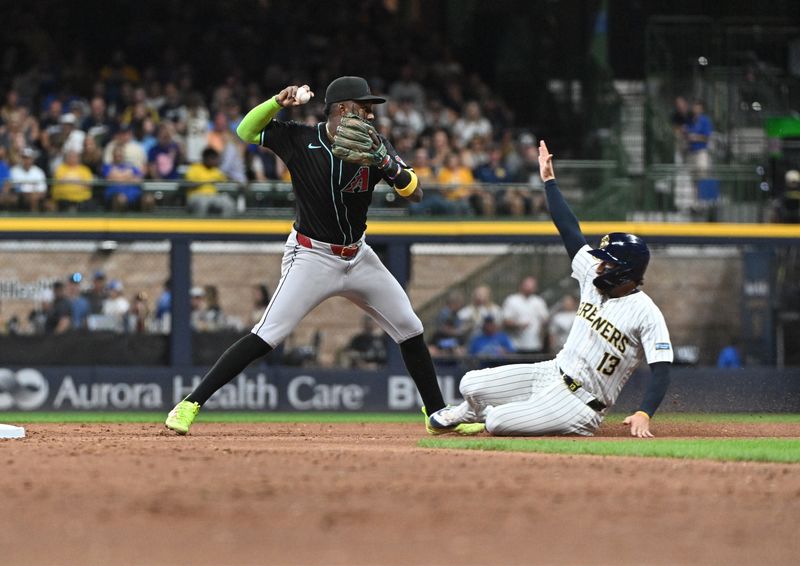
280, 388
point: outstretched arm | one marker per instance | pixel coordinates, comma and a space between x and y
563, 217
653, 395
256, 120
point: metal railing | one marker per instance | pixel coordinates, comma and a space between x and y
595, 189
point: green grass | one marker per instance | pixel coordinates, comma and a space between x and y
786, 450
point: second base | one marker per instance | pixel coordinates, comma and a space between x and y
10, 431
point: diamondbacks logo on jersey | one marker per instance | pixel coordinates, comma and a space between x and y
360, 181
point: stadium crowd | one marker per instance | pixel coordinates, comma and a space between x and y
74, 137
80, 303
522, 323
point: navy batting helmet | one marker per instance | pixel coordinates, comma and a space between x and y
628, 252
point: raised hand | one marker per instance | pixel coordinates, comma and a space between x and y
545, 162
288, 96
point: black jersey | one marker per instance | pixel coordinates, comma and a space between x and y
332, 195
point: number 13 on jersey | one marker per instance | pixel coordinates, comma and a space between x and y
608, 364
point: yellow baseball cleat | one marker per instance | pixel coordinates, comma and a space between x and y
182, 416
470, 429
465, 429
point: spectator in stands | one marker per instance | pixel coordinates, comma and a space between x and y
229, 147
124, 191
72, 136
164, 307
202, 194
154, 97
196, 133
561, 322
21, 132
479, 308
197, 305
163, 158
367, 349
680, 119
472, 124
406, 119
422, 167
213, 315
457, 181
97, 293
698, 132
50, 124
57, 312
8, 200
730, 356
11, 109
173, 109
260, 302
116, 306
146, 135
525, 317
133, 151
138, 315
491, 341
29, 182
79, 305
10, 326
440, 148
475, 153
92, 156
137, 112
434, 203
98, 125
406, 87
439, 116
494, 170
450, 334
261, 163
72, 187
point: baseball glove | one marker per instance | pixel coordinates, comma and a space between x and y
357, 141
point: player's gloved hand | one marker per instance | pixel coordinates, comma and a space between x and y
357, 141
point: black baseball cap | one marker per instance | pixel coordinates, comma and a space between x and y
350, 88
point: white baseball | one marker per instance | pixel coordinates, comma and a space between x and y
302, 95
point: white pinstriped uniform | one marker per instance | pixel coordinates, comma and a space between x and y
608, 340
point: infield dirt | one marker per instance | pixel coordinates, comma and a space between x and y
321, 494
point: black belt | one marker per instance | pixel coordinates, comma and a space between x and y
575, 385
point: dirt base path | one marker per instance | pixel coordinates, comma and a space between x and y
316, 494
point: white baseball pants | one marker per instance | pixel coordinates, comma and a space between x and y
309, 275
528, 400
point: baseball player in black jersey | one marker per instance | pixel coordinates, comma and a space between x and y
326, 254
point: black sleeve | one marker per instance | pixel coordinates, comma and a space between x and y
564, 219
278, 135
656, 387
